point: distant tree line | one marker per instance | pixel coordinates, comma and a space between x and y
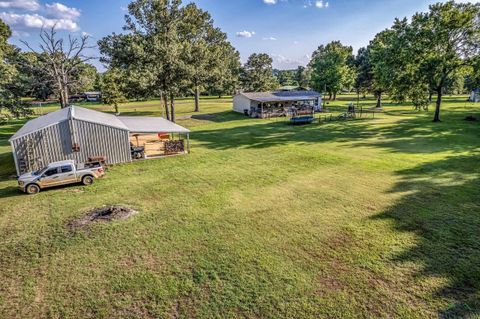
170, 50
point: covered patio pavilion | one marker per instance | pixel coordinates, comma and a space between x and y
279, 103
157, 135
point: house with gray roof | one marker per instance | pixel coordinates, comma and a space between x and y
77, 133
278, 103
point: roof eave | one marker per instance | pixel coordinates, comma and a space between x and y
156, 132
13, 138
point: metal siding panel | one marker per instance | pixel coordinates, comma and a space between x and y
100, 140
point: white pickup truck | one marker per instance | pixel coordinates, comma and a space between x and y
59, 173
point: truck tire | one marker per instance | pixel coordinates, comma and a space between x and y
87, 180
32, 189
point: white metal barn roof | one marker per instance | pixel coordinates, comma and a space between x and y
132, 124
83, 114
282, 96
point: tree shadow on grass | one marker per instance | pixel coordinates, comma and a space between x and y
420, 135
443, 209
410, 135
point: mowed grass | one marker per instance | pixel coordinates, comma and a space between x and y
372, 218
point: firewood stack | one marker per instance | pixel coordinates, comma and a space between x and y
174, 147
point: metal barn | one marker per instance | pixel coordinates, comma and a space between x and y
77, 133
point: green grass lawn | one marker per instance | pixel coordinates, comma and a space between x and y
372, 218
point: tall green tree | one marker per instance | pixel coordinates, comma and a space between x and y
364, 80
449, 35
302, 76
153, 27
113, 88
429, 53
12, 82
285, 77
7, 69
330, 68
227, 76
206, 51
125, 53
83, 78
472, 77
388, 69
34, 75
257, 74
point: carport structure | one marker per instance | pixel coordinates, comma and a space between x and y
159, 136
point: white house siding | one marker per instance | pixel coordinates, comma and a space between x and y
241, 103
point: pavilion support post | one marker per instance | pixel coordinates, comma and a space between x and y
188, 143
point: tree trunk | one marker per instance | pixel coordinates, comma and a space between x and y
64, 97
330, 96
165, 105
437, 108
197, 98
66, 101
379, 101
335, 96
172, 108
430, 96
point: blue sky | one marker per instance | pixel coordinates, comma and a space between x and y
288, 30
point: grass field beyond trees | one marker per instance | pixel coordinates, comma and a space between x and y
373, 218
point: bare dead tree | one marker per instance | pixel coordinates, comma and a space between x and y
62, 59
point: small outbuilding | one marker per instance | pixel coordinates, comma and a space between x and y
278, 103
475, 96
76, 133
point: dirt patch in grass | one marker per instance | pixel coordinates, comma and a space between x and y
102, 214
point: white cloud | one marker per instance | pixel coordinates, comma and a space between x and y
45, 16
320, 4
270, 39
270, 1
31, 5
61, 11
245, 34
25, 22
